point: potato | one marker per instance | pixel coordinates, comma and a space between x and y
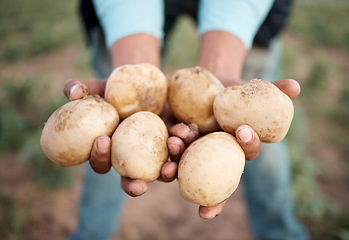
134, 88
259, 104
139, 146
210, 169
191, 95
69, 133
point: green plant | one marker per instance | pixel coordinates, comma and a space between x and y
24, 34
319, 75
21, 122
306, 189
182, 45
323, 104
47, 174
321, 23
11, 220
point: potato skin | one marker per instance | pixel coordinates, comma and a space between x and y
259, 104
139, 146
210, 169
134, 88
69, 133
191, 95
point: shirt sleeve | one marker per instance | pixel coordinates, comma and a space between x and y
239, 17
120, 18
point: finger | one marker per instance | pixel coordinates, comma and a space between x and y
169, 171
167, 116
100, 155
74, 89
134, 188
192, 136
249, 141
180, 130
188, 133
211, 212
176, 148
96, 86
289, 86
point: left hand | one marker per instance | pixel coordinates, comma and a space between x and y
182, 136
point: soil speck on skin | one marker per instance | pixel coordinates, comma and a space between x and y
62, 118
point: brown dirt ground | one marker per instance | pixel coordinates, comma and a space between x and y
159, 214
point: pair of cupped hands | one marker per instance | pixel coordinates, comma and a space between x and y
181, 135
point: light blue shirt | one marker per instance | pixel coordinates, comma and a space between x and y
120, 18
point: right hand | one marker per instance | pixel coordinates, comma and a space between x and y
100, 159
182, 136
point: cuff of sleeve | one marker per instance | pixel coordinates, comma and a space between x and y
120, 18
239, 17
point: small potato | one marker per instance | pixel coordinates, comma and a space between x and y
134, 88
191, 95
259, 104
70, 132
210, 169
139, 146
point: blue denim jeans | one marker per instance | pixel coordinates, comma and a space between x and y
102, 198
267, 180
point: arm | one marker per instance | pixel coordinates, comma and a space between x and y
227, 31
215, 55
136, 48
225, 41
223, 54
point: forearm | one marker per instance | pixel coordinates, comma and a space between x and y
227, 30
133, 29
136, 48
223, 54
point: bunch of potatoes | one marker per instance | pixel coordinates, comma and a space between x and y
210, 168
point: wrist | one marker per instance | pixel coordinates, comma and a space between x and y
228, 81
134, 49
222, 54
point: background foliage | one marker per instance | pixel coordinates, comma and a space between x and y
316, 53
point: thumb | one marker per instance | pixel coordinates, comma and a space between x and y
75, 89
289, 86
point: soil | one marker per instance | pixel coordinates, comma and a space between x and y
159, 214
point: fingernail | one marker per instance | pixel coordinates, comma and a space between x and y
137, 190
102, 145
245, 134
166, 177
193, 127
183, 132
174, 148
72, 90
211, 215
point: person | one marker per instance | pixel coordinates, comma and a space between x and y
129, 32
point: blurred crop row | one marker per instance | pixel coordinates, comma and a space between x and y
316, 53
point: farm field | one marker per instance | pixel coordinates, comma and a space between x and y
39, 200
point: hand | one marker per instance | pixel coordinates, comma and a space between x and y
100, 161
248, 138
182, 136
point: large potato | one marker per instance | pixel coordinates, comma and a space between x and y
139, 146
191, 95
69, 133
259, 104
134, 88
210, 169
